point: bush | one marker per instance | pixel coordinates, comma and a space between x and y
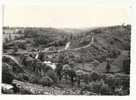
22, 77
22, 46
126, 66
5, 46
116, 81
46, 81
99, 87
7, 73
105, 90
124, 80
34, 80
94, 76
52, 75
40, 40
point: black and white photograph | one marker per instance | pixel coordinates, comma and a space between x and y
65, 50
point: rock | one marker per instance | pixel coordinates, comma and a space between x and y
7, 88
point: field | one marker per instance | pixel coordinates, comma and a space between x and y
88, 52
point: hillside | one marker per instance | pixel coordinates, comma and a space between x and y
108, 42
87, 50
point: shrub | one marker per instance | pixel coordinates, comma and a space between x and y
34, 79
52, 75
22, 77
22, 46
124, 80
94, 76
105, 89
116, 81
99, 87
46, 81
126, 66
8, 74
5, 46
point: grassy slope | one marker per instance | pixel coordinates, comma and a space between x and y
109, 42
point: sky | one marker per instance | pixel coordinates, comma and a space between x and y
64, 16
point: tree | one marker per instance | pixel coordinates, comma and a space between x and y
10, 38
